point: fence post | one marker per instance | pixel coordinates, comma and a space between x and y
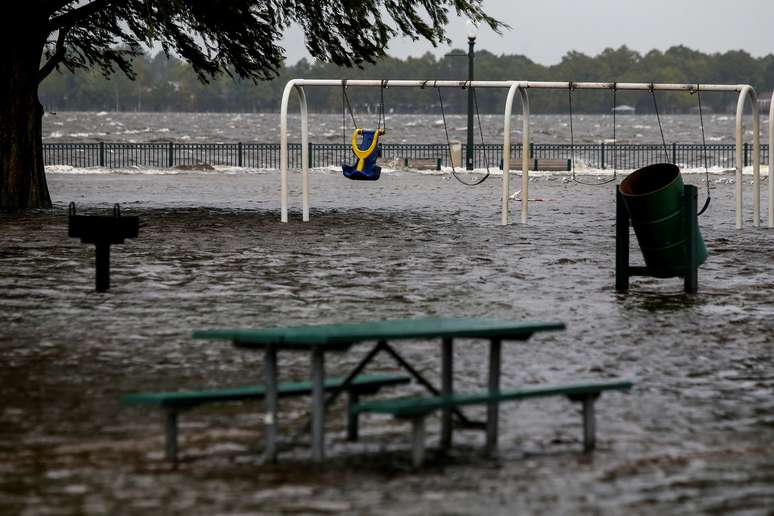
239, 154
602, 154
674, 152
101, 154
531, 149
170, 156
746, 152
311, 154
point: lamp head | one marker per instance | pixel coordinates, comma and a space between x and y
471, 29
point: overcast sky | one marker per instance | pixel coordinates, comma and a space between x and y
545, 30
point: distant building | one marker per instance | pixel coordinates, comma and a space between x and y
623, 108
764, 101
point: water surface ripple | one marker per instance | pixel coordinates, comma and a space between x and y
694, 436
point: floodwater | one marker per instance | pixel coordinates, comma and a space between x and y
401, 128
695, 436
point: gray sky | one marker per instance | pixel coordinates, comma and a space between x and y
545, 30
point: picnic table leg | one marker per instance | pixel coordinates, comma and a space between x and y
589, 427
447, 388
318, 405
170, 432
345, 385
418, 441
352, 419
492, 409
270, 402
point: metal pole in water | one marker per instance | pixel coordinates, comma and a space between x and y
103, 266
771, 162
304, 154
524, 155
469, 146
504, 211
284, 151
756, 159
621, 243
691, 232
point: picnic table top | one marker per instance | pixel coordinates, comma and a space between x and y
341, 336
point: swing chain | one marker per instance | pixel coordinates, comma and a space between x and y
343, 112
346, 98
570, 89
615, 138
660, 127
481, 133
346, 105
445, 129
704, 149
448, 142
382, 116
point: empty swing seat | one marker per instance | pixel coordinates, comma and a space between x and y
367, 152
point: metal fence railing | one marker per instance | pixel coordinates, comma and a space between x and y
267, 155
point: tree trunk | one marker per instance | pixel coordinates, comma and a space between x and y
22, 175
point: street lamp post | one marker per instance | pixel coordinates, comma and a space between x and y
472, 33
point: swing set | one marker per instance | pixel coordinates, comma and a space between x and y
366, 144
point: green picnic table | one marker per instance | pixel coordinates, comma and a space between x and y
319, 339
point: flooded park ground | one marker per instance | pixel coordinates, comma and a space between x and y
695, 435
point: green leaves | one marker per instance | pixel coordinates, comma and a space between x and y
240, 37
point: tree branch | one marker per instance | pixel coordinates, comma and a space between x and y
53, 6
57, 57
72, 17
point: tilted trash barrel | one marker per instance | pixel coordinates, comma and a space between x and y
654, 200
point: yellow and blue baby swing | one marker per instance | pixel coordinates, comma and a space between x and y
369, 148
366, 152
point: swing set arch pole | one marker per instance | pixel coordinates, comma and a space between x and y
748, 91
505, 208
507, 155
290, 86
771, 162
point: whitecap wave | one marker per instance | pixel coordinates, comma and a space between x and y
85, 135
218, 170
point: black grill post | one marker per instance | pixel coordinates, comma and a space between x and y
102, 231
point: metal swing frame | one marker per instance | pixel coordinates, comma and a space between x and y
745, 91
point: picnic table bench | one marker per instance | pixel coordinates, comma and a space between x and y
417, 408
172, 403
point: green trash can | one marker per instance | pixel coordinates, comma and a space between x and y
654, 199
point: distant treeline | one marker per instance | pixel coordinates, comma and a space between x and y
168, 84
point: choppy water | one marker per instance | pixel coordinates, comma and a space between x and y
695, 435
402, 128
